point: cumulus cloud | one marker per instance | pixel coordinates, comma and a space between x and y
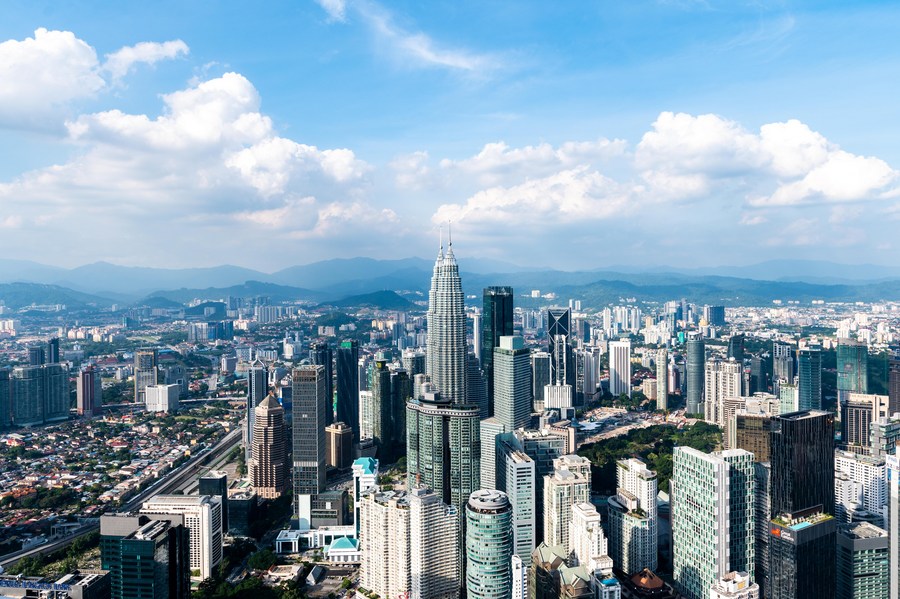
43, 73
336, 9
120, 62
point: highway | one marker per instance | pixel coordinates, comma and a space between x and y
167, 483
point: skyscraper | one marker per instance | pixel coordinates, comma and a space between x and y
712, 517
384, 541
215, 484
53, 350
722, 381
434, 549
320, 355
696, 363
146, 372
310, 403
809, 370
852, 369
862, 562
257, 390
267, 464
38, 394
446, 356
512, 383
496, 322
519, 483
569, 484
562, 360
782, 362
347, 361
203, 519
391, 388
540, 376
632, 517
893, 482
662, 379
489, 545
894, 385
620, 368
476, 385
89, 392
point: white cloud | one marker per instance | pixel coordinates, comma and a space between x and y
42, 74
120, 62
336, 9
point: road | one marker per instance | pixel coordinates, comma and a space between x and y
169, 482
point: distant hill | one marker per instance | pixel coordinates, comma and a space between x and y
21, 295
380, 300
278, 293
158, 302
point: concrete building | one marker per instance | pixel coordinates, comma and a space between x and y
339, 439
662, 379
734, 585
632, 517
512, 383
862, 562
146, 372
268, 464
722, 381
434, 551
569, 485
310, 402
89, 392
384, 543
588, 546
446, 358
162, 398
519, 485
202, 516
860, 483
620, 368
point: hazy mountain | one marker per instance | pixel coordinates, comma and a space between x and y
381, 300
20, 295
278, 293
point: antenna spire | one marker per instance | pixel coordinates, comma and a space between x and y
450, 233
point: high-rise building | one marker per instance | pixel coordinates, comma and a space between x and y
852, 369
802, 457
310, 403
365, 477
215, 484
799, 546
202, 518
146, 558
519, 485
696, 362
496, 322
736, 348
347, 361
446, 360
540, 377
434, 549
162, 398
893, 481
491, 430
587, 542
562, 359
662, 379
722, 381
413, 361
782, 362
860, 485
620, 368
38, 394
89, 392
894, 386
391, 388
36, 356
489, 545
862, 562
146, 372
268, 467
339, 439
753, 432
885, 436
809, 371
5, 400
476, 385
384, 542
714, 315
320, 355
631, 516
569, 484
543, 448
53, 350
257, 390
712, 517
858, 412
512, 383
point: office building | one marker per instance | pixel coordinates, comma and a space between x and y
446, 358
858, 412
519, 485
809, 369
782, 361
722, 381
736, 348
735, 585
496, 322
384, 543
491, 429
632, 517
162, 398
696, 363
862, 562
53, 350
562, 359
540, 378
268, 462
434, 549
339, 439
543, 448
489, 545
512, 383
89, 392
712, 517
413, 361
146, 372
893, 482
36, 356
852, 369
802, 457
146, 558
320, 355
894, 385
308, 426
714, 315
215, 484
5, 400
662, 379
569, 484
257, 390
800, 546
347, 363
476, 385
202, 518
391, 388
620, 368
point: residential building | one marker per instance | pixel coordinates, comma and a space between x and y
569, 484
735, 585
339, 439
632, 517
202, 516
809, 361
146, 372
434, 549
89, 392
384, 543
662, 379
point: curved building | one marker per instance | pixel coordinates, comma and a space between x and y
696, 363
489, 545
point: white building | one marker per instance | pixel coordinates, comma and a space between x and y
521, 478
365, 477
587, 543
860, 482
490, 429
662, 379
519, 578
384, 543
203, 519
162, 398
632, 517
569, 484
893, 478
722, 381
734, 585
434, 553
620, 368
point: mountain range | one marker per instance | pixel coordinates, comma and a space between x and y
23, 283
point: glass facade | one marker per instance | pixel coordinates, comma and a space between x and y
489, 545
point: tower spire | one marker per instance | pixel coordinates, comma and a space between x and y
450, 233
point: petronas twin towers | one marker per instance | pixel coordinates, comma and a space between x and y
446, 357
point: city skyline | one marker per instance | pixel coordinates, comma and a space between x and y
660, 125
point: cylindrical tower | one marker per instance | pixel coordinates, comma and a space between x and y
489, 545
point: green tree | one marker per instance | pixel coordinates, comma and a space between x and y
262, 560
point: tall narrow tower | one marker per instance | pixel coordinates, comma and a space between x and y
446, 358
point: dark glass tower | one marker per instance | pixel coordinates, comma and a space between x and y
562, 359
852, 369
894, 386
391, 388
320, 355
347, 362
53, 351
696, 363
308, 427
810, 375
736, 347
496, 322
802, 455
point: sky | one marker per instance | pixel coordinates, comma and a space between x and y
683, 133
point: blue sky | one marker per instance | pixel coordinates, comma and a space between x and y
565, 134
